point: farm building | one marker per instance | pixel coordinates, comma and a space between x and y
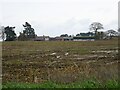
85, 38
56, 39
42, 38
67, 38
59, 38
79, 37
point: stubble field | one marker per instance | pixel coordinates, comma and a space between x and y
60, 62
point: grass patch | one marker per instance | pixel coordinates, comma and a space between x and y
49, 84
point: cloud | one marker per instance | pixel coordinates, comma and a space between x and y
112, 25
71, 26
54, 17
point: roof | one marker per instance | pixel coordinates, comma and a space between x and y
86, 37
42, 37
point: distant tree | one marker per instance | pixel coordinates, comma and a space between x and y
85, 34
10, 34
111, 33
96, 26
64, 35
22, 37
70, 35
90, 33
77, 34
28, 33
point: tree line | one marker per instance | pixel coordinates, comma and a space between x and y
94, 31
8, 33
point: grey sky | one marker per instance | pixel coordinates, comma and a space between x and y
55, 17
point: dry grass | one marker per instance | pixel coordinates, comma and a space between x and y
27, 61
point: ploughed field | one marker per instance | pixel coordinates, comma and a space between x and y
59, 61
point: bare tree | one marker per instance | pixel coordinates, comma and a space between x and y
96, 26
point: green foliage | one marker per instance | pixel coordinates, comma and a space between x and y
10, 34
64, 35
22, 37
84, 84
28, 33
112, 84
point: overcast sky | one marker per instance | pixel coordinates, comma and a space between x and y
56, 17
